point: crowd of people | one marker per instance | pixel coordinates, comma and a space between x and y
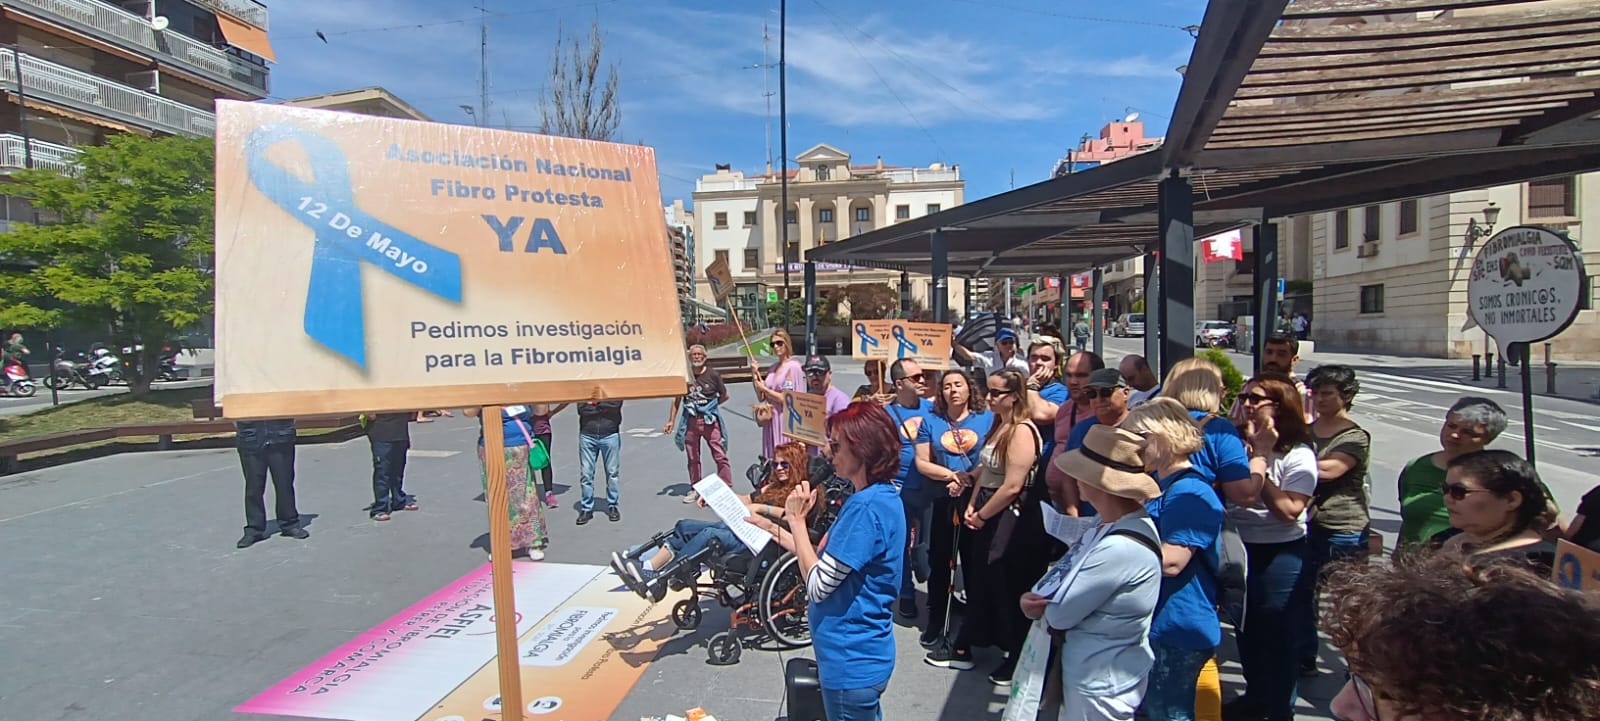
1207, 518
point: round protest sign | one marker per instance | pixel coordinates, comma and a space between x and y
1526, 285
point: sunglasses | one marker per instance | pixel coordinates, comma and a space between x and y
1257, 398
1364, 696
781, 465
1460, 492
1102, 392
992, 392
914, 378
778, 344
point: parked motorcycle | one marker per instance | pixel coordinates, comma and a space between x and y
106, 364
67, 373
15, 381
167, 370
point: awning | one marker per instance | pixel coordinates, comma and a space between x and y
245, 36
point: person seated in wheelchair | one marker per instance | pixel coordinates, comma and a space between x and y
690, 541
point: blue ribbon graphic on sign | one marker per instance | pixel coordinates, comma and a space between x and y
867, 339
906, 346
794, 413
346, 237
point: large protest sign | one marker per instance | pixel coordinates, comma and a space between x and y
583, 642
721, 278
369, 264
805, 418
926, 343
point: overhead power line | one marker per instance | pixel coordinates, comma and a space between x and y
886, 86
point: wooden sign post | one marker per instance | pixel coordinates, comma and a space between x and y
505, 602
368, 264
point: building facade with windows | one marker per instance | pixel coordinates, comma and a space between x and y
736, 217
1392, 277
92, 68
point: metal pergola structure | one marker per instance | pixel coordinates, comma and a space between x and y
1288, 109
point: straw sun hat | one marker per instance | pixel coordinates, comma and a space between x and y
1109, 461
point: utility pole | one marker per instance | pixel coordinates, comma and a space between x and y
22, 116
783, 147
483, 64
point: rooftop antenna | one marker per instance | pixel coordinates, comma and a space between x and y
766, 89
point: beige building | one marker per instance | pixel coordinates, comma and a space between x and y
363, 101
1393, 277
830, 199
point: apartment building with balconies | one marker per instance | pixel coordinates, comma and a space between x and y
73, 72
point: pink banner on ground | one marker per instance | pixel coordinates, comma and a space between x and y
405, 665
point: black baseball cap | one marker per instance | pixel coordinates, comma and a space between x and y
816, 364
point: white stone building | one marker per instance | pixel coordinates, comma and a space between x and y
736, 216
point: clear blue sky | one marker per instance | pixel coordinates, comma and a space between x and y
994, 85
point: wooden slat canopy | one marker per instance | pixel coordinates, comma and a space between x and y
1310, 106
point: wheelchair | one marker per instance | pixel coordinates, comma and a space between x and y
765, 591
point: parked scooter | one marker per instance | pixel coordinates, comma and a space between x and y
66, 373
15, 380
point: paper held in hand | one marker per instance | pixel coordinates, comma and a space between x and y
1067, 529
726, 504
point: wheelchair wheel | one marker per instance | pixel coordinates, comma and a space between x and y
723, 649
686, 614
781, 604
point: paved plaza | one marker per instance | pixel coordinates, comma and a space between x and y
125, 597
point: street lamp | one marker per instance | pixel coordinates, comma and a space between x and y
1476, 230
471, 113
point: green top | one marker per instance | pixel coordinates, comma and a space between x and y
12, 350
1340, 504
1422, 511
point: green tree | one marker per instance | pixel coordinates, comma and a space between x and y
1232, 379
129, 249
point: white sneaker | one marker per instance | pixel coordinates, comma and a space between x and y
691, 497
535, 554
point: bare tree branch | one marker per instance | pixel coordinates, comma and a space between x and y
576, 104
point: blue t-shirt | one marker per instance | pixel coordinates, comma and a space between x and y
1188, 513
1074, 442
1057, 394
852, 630
1222, 457
909, 421
514, 420
955, 445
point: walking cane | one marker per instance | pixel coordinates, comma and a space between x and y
950, 592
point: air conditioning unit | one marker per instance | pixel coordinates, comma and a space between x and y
146, 80
1367, 250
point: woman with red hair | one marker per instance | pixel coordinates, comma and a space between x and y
853, 579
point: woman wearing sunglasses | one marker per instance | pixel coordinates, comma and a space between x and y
690, 535
786, 375
994, 536
948, 443
1497, 511
1438, 640
1278, 597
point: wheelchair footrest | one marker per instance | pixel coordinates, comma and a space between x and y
805, 690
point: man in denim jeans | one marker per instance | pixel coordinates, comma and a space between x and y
267, 446
390, 437
599, 435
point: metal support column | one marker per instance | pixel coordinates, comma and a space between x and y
1009, 313
966, 299
1152, 305
905, 294
1176, 213
811, 307
1098, 314
939, 248
1064, 320
1266, 272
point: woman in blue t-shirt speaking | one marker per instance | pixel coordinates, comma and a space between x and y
853, 579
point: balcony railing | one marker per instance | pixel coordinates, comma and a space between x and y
92, 94
249, 11
62, 158
711, 186
921, 175
118, 25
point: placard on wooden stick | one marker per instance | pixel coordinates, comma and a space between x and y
369, 264
805, 418
926, 343
377, 264
1577, 568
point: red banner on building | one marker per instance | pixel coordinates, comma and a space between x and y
1226, 246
